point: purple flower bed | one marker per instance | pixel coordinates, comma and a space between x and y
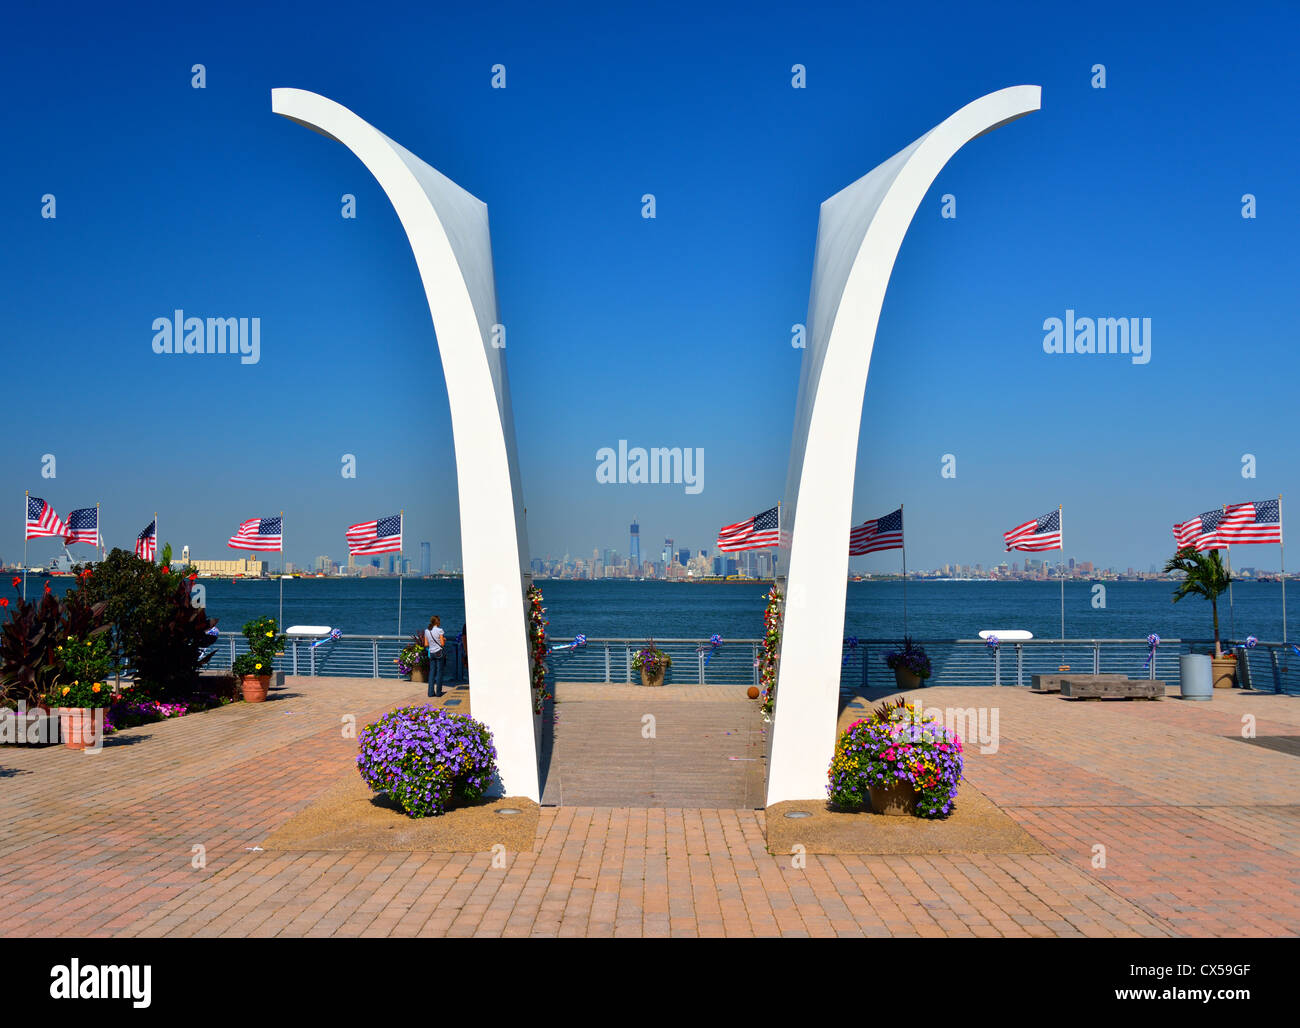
424, 758
123, 713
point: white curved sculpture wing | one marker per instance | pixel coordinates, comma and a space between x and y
859, 234
448, 232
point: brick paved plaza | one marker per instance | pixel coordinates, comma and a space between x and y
1201, 830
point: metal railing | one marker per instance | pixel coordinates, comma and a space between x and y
695, 661
352, 656
1269, 666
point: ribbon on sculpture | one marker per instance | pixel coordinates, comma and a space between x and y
992, 642
1153, 641
852, 643
715, 641
1251, 641
578, 642
335, 635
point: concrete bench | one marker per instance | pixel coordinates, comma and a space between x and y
1091, 688
1052, 683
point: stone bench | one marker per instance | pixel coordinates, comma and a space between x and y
1052, 683
1092, 688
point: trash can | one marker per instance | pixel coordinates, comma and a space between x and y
1197, 674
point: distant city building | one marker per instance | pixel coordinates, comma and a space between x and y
634, 550
684, 556
426, 560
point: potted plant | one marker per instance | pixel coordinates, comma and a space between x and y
897, 764
653, 663
255, 667
34, 657
414, 660
82, 692
1204, 575
910, 664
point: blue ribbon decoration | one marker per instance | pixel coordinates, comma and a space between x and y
852, 643
992, 642
334, 636
1251, 642
715, 641
578, 642
1153, 641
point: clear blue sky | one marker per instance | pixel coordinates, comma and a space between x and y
673, 332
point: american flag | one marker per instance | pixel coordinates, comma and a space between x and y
258, 534
881, 534
1040, 534
83, 526
1252, 523
146, 543
756, 533
42, 521
382, 536
1201, 533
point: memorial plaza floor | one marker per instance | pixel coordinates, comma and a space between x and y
1145, 819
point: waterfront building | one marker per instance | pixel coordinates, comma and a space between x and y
634, 550
426, 560
240, 566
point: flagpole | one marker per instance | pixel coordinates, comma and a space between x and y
1282, 550
26, 497
155, 537
902, 528
401, 516
1232, 614
1060, 517
280, 624
99, 532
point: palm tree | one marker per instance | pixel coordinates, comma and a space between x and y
1204, 575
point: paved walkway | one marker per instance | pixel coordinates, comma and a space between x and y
630, 746
157, 835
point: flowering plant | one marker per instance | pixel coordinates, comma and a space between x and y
264, 642
83, 679
771, 643
414, 655
910, 657
895, 746
652, 660
538, 648
423, 758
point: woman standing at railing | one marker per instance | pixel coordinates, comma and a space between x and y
435, 639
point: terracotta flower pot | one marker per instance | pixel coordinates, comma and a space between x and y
906, 679
1225, 671
419, 674
255, 687
656, 679
897, 799
77, 727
